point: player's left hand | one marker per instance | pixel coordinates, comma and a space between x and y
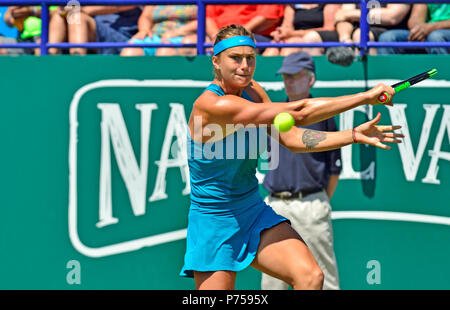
370, 133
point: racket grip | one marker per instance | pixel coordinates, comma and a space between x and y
383, 98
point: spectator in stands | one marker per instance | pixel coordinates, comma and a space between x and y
15, 16
381, 19
10, 51
165, 24
429, 23
305, 23
261, 20
8, 35
103, 24
4, 51
23, 17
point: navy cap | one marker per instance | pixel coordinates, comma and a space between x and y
294, 63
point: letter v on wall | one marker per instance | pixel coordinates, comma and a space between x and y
411, 161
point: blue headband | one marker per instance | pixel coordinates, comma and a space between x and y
232, 42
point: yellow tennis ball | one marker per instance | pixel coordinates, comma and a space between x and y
283, 121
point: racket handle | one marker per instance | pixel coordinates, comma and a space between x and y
383, 98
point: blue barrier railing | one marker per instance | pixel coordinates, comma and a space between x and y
201, 46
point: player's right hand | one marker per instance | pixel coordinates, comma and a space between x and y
379, 90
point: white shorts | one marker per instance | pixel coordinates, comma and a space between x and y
311, 218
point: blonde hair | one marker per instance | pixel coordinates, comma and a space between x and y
232, 31
229, 31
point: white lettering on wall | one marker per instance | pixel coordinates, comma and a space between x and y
436, 153
113, 129
411, 161
346, 122
176, 127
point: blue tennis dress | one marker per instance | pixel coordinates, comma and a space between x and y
227, 213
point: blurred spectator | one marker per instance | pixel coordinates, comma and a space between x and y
262, 19
8, 35
5, 30
381, 19
165, 24
429, 23
27, 21
10, 51
102, 24
305, 23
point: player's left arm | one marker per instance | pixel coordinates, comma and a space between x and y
299, 140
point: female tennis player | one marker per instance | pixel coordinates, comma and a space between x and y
230, 227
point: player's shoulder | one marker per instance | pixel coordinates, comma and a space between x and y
206, 100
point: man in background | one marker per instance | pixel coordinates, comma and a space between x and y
302, 185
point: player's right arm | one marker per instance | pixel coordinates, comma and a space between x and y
230, 109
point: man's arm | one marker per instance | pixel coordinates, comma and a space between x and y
255, 23
7, 17
344, 30
418, 15
443, 24
260, 23
211, 28
420, 29
329, 12
391, 15
267, 16
348, 13
145, 23
188, 28
332, 184
343, 27
288, 18
212, 14
328, 24
14, 13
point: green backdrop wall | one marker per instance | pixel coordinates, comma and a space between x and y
94, 192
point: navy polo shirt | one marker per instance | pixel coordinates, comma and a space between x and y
304, 171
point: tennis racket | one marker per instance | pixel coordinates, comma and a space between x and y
384, 97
